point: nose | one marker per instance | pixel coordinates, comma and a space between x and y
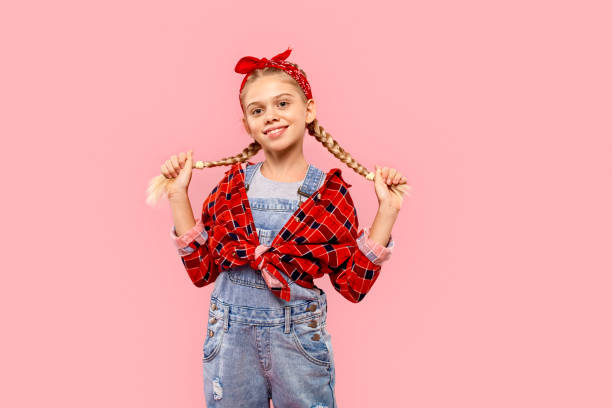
271, 115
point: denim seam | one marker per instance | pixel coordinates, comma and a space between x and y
220, 303
247, 283
270, 323
305, 353
217, 348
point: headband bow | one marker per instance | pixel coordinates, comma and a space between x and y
246, 65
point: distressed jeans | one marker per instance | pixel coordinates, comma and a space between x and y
260, 348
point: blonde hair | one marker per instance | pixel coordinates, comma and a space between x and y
159, 184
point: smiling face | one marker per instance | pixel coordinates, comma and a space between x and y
276, 101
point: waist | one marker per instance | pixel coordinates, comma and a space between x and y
269, 316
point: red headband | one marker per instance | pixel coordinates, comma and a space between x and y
246, 65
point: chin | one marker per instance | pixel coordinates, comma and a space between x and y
279, 145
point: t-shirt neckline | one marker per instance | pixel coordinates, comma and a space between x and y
280, 182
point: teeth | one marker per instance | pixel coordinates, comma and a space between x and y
276, 130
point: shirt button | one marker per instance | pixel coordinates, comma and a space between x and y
296, 218
312, 307
313, 323
316, 337
211, 333
319, 196
213, 306
213, 320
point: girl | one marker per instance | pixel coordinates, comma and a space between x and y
273, 227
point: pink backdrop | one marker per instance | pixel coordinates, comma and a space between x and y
497, 112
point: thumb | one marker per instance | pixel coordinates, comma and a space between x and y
378, 174
379, 181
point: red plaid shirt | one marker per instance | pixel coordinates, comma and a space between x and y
321, 237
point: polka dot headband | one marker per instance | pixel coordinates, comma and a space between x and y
246, 65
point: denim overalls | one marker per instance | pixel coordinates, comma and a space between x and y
259, 347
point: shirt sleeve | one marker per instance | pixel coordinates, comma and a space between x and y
356, 270
196, 233
375, 252
194, 245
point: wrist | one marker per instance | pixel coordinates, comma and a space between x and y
177, 195
387, 209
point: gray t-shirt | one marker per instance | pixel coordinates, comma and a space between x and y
263, 187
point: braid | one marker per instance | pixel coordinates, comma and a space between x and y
159, 184
241, 157
334, 148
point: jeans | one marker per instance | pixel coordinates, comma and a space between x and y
260, 348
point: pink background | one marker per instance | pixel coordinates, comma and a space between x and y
497, 112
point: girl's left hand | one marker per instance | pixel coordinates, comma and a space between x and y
387, 182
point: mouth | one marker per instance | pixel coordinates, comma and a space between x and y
276, 131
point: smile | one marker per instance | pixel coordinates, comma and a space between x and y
276, 132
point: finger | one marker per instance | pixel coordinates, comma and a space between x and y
390, 176
182, 158
385, 172
170, 168
379, 176
165, 172
384, 176
397, 178
175, 163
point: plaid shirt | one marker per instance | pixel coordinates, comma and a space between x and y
321, 237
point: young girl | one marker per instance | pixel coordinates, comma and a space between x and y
272, 227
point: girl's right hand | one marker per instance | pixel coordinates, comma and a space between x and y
178, 167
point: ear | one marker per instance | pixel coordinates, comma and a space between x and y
311, 111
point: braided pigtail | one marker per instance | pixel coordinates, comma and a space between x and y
316, 130
159, 185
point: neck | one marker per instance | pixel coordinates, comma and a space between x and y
289, 167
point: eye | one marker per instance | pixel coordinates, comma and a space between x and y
287, 102
254, 111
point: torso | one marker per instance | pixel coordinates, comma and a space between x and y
272, 204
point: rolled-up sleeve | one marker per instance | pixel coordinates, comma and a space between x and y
183, 243
375, 252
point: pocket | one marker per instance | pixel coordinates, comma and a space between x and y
248, 277
313, 341
214, 337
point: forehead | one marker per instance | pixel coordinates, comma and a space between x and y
268, 87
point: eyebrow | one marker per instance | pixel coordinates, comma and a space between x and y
277, 96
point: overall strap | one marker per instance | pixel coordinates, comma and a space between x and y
312, 182
249, 173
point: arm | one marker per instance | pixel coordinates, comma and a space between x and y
192, 243
382, 225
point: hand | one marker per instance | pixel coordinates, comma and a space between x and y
386, 185
178, 168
